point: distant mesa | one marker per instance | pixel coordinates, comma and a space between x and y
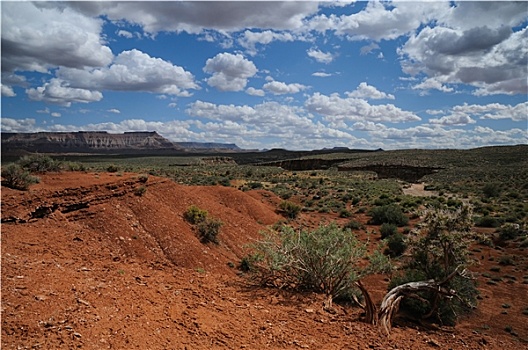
104, 142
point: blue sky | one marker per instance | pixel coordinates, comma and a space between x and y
295, 75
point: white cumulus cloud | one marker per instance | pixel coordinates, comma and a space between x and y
18, 125
321, 74
59, 92
196, 16
380, 20
255, 92
125, 34
250, 39
486, 54
320, 56
131, 71
453, 119
280, 88
8, 91
516, 113
338, 110
431, 84
367, 91
229, 72
37, 39
270, 124
466, 114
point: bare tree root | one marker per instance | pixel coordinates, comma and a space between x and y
391, 301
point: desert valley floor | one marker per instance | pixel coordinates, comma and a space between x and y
87, 263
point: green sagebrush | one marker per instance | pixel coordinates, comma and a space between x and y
326, 260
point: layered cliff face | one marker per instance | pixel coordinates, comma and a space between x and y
84, 141
126, 140
101, 142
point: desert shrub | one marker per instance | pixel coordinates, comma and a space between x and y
324, 209
439, 252
396, 244
289, 209
510, 231
195, 215
346, 197
506, 260
332, 204
17, 178
345, 213
247, 263
208, 230
39, 163
452, 202
143, 178
409, 203
255, 185
390, 214
73, 166
382, 201
491, 190
286, 195
487, 221
112, 168
353, 225
387, 230
140, 191
283, 191
224, 182
326, 260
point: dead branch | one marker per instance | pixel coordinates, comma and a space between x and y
369, 307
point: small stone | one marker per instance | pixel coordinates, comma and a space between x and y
84, 302
433, 342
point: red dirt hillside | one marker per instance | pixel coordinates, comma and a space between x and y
87, 263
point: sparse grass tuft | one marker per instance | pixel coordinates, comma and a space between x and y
207, 228
289, 209
194, 215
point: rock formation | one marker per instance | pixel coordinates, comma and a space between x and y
102, 142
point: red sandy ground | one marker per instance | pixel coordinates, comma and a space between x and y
127, 272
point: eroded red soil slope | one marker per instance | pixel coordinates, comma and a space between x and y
87, 263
